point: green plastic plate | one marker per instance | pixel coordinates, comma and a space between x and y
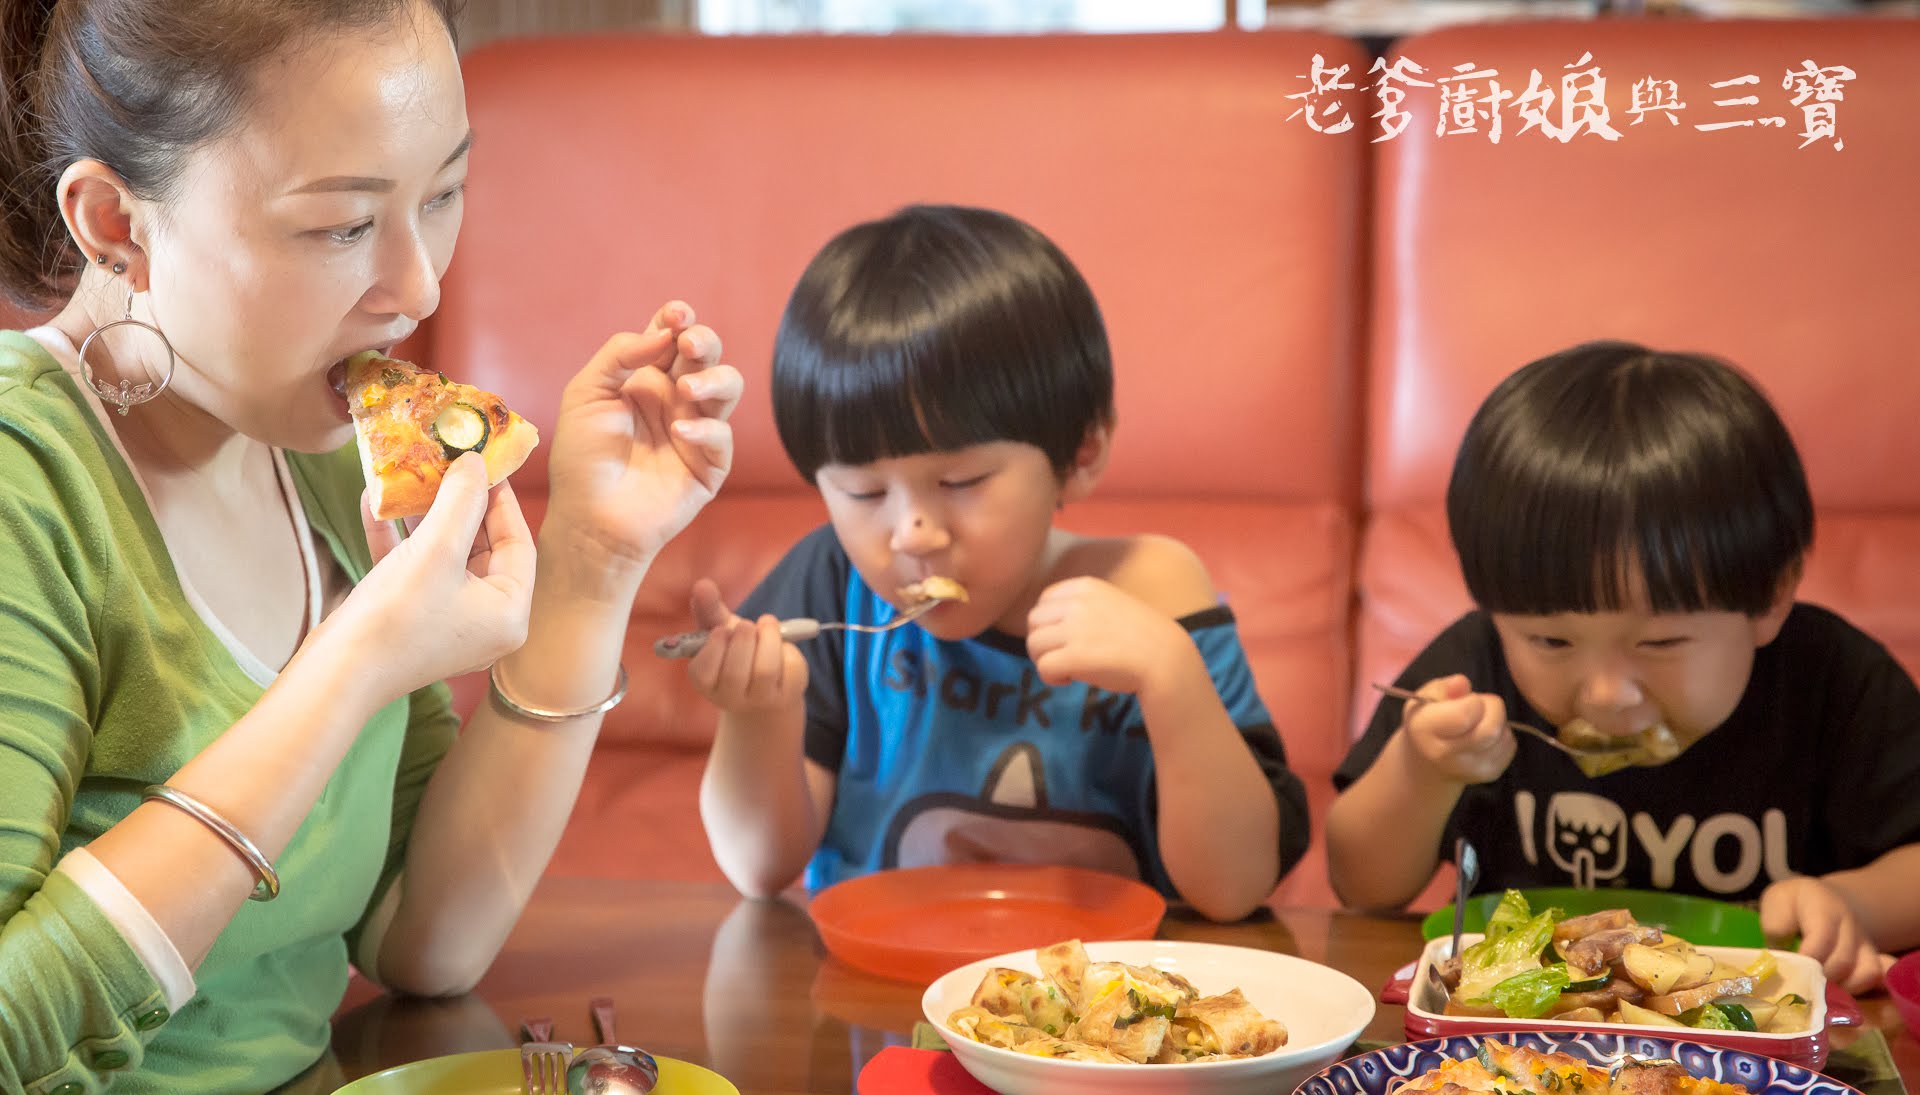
1695, 919
497, 1072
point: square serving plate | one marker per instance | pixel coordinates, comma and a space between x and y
1798, 973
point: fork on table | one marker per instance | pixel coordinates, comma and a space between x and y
543, 1061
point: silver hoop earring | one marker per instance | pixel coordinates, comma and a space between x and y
127, 394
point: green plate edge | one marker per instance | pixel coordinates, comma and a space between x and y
1695, 919
498, 1070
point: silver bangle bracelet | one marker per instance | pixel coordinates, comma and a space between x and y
268, 887
543, 714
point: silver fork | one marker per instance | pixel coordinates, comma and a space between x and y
688, 643
543, 1061
1577, 754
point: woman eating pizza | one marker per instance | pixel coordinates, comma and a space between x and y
229, 767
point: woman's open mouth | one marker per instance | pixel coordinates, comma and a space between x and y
337, 376
337, 384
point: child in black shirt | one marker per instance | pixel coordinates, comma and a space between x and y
1632, 526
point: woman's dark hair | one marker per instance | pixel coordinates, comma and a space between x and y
135, 84
937, 328
1610, 460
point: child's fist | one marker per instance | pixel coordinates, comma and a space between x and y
1089, 630
1460, 732
1829, 931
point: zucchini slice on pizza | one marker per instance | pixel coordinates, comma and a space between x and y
411, 424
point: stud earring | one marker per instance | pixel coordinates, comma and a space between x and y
119, 267
127, 394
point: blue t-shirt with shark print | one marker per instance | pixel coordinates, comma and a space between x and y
956, 751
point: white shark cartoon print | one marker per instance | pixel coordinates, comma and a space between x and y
1586, 837
1009, 821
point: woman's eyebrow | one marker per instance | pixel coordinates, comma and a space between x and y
339, 183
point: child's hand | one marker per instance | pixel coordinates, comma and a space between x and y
1462, 733
1828, 929
746, 667
1089, 630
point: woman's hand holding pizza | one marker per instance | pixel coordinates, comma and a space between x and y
451, 598
642, 443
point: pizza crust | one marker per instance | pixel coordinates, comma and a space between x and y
509, 448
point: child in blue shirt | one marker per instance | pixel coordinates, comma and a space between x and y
942, 377
1632, 525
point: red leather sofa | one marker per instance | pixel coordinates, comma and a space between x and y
1302, 320
1797, 263
1223, 241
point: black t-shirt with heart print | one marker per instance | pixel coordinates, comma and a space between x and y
1817, 770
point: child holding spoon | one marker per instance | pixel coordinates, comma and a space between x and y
942, 376
1632, 526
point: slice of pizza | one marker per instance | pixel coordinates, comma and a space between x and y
412, 424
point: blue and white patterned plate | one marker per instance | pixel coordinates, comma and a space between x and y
1374, 1073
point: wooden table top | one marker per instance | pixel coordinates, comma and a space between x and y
746, 988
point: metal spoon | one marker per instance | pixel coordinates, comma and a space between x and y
1592, 762
610, 1068
688, 643
1466, 864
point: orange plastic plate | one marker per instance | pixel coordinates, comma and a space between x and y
917, 923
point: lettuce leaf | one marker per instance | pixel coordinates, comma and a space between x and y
1528, 995
1513, 945
1510, 913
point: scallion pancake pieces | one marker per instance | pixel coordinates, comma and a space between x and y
1113, 1012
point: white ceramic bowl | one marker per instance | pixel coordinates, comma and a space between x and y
1324, 1011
